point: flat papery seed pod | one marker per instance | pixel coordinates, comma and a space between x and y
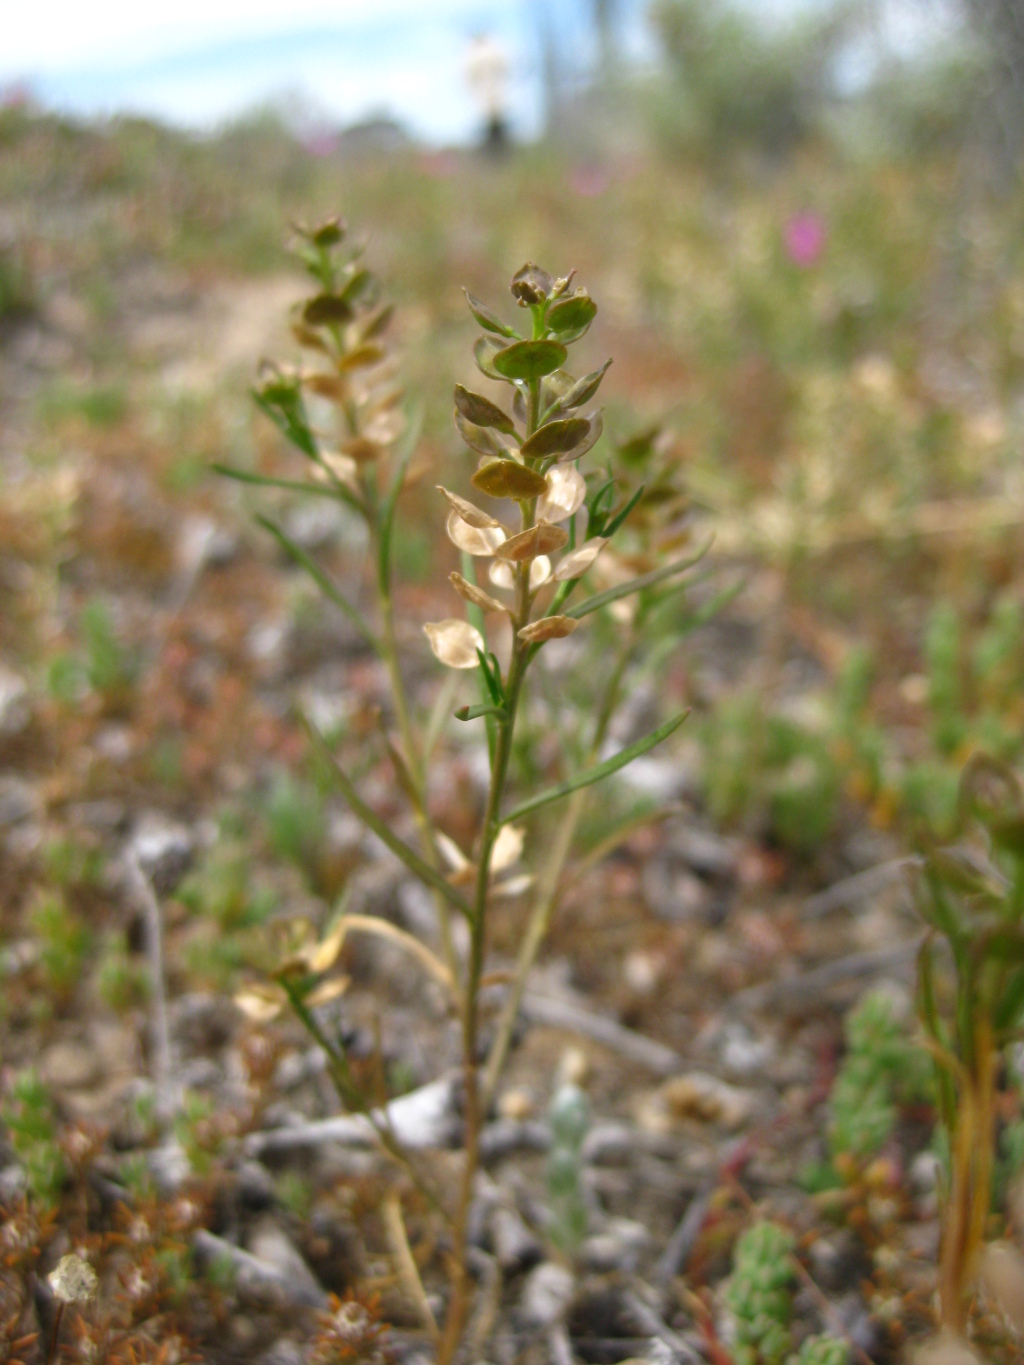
567, 490
548, 628
1002, 1278
474, 540
481, 411
529, 360
596, 420
385, 427
507, 848
502, 576
332, 386
540, 572
945, 1349
509, 479
560, 437
484, 351
513, 886
469, 512
327, 991
542, 539
343, 467
576, 564
369, 353
260, 1003
307, 337
362, 449
450, 852
481, 439
454, 642
321, 956
469, 592
327, 309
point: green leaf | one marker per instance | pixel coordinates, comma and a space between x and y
599, 771
571, 317
489, 321
492, 677
529, 360
647, 580
427, 874
481, 411
556, 438
318, 576
318, 490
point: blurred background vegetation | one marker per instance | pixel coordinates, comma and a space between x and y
802, 224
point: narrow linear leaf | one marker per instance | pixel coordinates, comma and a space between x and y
647, 580
417, 865
409, 441
291, 422
600, 770
621, 516
317, 490
329, 589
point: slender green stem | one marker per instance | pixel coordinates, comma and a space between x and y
547, 891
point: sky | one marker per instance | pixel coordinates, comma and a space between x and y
198, 63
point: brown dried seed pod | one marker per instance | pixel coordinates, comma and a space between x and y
577, 563
1002, 1278
469, 512
509, 479
362, 450
362, 357
567, 490
331, 386
473, 539
548, 628
541, 539
469, 592
454, 642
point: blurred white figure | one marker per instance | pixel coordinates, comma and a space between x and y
487, 71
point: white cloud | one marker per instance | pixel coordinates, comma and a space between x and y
61, 35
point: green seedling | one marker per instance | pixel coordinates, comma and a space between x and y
28, 1116
64, 943
122, 979
569, 1120
881, 1070
536, 566
759, 1297
971, 1004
